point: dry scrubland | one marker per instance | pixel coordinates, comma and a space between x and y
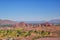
23, 31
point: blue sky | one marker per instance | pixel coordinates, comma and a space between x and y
29, 10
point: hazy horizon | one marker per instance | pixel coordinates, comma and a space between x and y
29, 10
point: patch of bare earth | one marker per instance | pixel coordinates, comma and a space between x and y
57, 38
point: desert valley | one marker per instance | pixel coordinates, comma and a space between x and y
12, 30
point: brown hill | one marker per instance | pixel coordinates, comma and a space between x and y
7, 22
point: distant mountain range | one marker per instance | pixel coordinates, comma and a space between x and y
35, 22
54, 21
7, 22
